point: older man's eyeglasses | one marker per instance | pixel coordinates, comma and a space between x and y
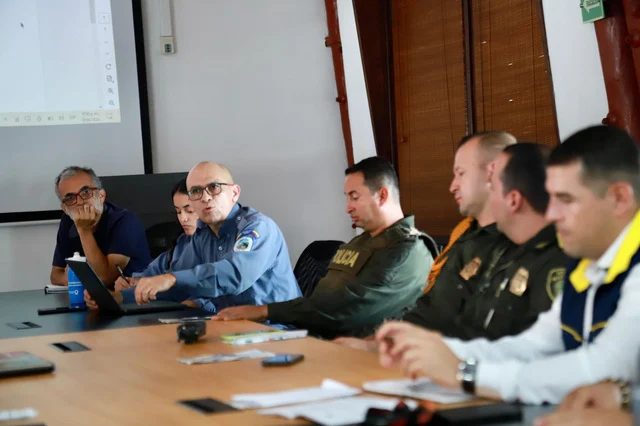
213, 189
85, 193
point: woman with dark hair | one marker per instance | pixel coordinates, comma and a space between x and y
188, 219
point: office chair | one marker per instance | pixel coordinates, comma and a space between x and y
313, 264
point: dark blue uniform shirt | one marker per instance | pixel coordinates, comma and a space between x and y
118, 232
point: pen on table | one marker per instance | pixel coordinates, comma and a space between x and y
122, 275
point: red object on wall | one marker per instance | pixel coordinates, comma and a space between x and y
620, 73
333, 41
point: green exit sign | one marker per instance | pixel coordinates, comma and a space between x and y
592, 10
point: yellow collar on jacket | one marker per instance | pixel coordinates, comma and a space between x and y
621, 261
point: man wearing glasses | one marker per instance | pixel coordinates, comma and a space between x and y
106, 234
237, 255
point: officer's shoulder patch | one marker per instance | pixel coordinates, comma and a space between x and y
243, 244
555, 282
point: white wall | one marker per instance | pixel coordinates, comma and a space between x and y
363, 141
578, 83
252, 86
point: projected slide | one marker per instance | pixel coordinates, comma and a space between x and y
57, 63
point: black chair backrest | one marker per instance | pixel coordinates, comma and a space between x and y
162, 236
313, 264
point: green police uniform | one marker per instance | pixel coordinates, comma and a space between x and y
370, 279
518, 284
473, 247
467, 259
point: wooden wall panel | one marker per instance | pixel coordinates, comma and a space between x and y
513, 85
430, 106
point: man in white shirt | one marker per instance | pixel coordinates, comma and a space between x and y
590, 333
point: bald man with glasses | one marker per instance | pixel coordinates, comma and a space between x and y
237, 256
106, 234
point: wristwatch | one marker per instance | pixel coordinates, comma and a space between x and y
467, 375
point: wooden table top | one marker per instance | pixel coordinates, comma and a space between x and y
131, 376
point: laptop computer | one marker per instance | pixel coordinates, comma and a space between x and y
105, 300
23, 363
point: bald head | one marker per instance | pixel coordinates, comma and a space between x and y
213, 192
211, 168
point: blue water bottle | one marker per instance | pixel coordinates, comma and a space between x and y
76, 289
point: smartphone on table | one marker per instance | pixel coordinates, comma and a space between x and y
282, 360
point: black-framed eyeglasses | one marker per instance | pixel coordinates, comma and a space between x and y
85, 193
213, 189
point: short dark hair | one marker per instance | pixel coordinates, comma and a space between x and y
378, 173
607, 155
492, 143
526, 173
180, 187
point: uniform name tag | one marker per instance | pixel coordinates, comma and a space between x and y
349, 259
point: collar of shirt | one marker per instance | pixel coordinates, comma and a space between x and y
541, 240
596, 272
614, 261
229, 224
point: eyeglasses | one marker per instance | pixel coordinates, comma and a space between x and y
85, 193
213, 189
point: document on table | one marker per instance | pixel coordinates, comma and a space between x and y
423, 389
328, 390
344, 411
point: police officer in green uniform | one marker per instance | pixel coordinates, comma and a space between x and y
470, 255
521, 274
474, 238
521, 279
373, 277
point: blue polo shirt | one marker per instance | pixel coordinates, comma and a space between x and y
118, 232
248, 264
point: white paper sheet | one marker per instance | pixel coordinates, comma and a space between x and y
328, 390
54, 289
422, 389
343, 411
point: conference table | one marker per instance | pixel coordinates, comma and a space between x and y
130, 374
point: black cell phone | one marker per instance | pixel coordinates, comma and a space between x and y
207, 405
60, 310
479, 415
280, 360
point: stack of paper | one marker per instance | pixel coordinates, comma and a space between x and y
422, 389
344, 411
53, 289
328, 390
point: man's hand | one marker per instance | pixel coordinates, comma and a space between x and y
189, 303
421, 353
121, 284
249, 312
86, 218
358, 344
93, 306
605, 395
588, 417
148, 287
